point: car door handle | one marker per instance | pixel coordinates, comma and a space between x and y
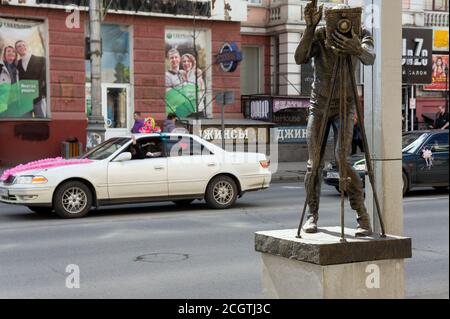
159, 168
212, 164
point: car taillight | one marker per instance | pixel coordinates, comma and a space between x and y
264, 164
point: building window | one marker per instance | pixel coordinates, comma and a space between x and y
254, 1
116, 99
440, 5
115, 54
251, 70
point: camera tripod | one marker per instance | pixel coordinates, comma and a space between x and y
344, 67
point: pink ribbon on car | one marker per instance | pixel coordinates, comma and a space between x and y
42, 164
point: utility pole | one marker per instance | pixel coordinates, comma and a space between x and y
196, 59
96, 122
446, 87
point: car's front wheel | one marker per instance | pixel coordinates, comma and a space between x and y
405, 183
221, 192
72, 200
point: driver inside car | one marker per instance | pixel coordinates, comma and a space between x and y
136, 150
153, 149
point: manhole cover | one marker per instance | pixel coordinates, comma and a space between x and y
162, 257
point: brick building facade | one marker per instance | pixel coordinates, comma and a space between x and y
31, 139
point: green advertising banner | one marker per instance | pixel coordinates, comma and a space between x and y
181, 100
186, 73
23, 72
17, 100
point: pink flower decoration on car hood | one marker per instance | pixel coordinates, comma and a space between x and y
42, 164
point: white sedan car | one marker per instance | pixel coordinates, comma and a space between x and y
153, 167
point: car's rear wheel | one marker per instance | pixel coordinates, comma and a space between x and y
405, 183
40, 209
221, 192
72, 200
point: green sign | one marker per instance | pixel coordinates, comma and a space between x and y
181, 100
16, 100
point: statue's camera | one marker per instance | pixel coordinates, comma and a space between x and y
342, 21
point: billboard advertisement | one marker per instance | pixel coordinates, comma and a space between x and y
23, 71
417, 55
439, 74
186, 67
440, 40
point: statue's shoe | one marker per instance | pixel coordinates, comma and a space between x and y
310, 226
364, 229
363, 232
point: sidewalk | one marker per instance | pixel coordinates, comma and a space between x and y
289, 172
286, 172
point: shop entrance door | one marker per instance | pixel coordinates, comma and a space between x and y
116, 109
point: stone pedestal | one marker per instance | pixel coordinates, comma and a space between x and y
319, 266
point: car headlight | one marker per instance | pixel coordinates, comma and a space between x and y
30, 179
360, 167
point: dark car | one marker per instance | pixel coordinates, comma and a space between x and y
425, 161
331, 172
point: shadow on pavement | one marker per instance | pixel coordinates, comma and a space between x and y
124, 210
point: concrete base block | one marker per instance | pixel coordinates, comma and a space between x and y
292, 279
319, 266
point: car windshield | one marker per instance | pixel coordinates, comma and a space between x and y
106, 149
412, 141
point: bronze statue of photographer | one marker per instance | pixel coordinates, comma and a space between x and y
341, 37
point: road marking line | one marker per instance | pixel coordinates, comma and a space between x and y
417, 199
292, 187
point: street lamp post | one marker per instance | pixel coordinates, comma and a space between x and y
96, 122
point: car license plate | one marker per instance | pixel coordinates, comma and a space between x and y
3, 192
332, 175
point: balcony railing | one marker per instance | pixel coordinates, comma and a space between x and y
275, 14
279, 12
436, 19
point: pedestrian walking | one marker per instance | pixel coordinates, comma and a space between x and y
169, 123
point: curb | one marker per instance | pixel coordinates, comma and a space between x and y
287, 178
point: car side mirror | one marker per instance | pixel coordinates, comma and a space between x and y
125, 156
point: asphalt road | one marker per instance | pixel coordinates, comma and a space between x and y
162, 251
